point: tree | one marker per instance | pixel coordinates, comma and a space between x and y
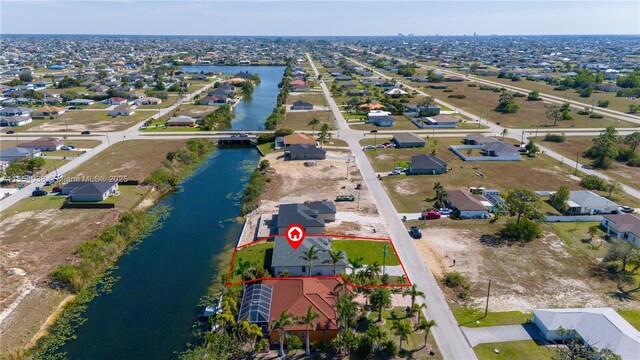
402, 329
524, 230
380, 299
534, 96
253, 331
313, 123
593, 231
504, 133
532, 148
414, 293
574, 347
25, 76
334, 258
523, 201
632, 140
307, 320
293, 344
377, 336
442, 197
613, 187
309, 256
426, 326
552, 112
506, 103
559, 199
286, 319
604, 149
374, 270
624, 252
355, 264
324, 132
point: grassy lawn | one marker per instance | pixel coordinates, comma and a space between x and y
83, 144
576, 146
471, 317
299, 120
97, 106
161, 128
267, 148
256, 254
632, 316
192, 110
370, 251
79, 120
522, 350
77, 89
413, 345
576, 238
135, 159
617, 103
38, 203
316, 98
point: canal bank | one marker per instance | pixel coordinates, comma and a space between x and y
151, 307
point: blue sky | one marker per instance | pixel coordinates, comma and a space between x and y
307, 17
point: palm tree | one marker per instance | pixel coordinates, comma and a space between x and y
504, 133
355, 264
377, 335
253, 331
414, 293
374, 270
426, 325
313, 123
309, 256
334, 259
324, 132
283, 273
279, 325
380, 299
418, 309
401, 329
307, 320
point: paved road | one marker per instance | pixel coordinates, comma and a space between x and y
447, 334
518, 134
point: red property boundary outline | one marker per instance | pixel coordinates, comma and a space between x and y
335, 236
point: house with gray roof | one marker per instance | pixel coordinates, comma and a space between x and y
490, 148
427, 165
311, 215
603, 328
17, 153
305, 152
15, 110
623, 226
585, 202
407, 140
286, 258
89, 191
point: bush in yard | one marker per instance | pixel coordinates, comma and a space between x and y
603, 103
534, 96
519, 95
458, 283
596, 116
592, 182
447, 90
457, 96
391, 348
555, 138
525, 230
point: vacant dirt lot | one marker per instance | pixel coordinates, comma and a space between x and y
543, 273
299, 120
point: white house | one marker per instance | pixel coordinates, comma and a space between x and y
468, 205
601, 327
585, 202
89, 191
623, 226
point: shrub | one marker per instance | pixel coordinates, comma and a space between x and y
635, 162
592, 182
603, 103
583, 112
457, 96
555, 138
365, 346
391, 348
454, 279
596, 116
519, 95
525, 230
472, 85
447, 90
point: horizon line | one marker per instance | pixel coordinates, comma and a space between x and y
404, 35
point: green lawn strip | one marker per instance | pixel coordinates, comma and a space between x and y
38, 203
522, 350
632, 316
471, 317
256, 254
370, 250
267, 148
575, 236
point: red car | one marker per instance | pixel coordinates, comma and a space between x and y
431, 214
56, 189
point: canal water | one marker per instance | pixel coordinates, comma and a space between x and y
151, 308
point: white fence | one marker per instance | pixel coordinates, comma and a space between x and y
574, 218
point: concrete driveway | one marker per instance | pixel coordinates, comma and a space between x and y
493, 334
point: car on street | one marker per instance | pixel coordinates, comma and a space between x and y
56, 189
431, 214
445, 211
49, 182
400, 169
369, 147
415, 232
11, 132
39, 192
394, 172
627, 209
67, 147
86, 132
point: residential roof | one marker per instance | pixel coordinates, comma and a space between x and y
90, 188
322, 207
445, 119
423, 161
465, 201
601, 327
296, 295
407, 138
285, 255
181, 119
48, 109
624, 223
480, 139
256, 303
586, 198
305, 149
18, 152
298, 214
302, 103
42, 142
500, 147
299, 139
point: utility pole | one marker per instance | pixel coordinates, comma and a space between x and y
359, 189
486, 308
348, 163
577, 157
384, 259
108, 140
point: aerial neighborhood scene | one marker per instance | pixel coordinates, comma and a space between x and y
253, 179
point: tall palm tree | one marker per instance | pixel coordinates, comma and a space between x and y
380, 299
252, 331
307, 320
402, 329
309, 256
374, 270
426, 325
414, 293
504, 133
313, 123
377, 335
418, 309
334, 259
355, 264
279, 325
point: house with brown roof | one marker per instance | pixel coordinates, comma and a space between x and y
467, 205
296, 295
296, 138
43, 144
623, 226
47, 111
122, 111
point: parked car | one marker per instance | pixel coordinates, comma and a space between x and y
445, 211
39, 192
49, 182
86, 132
386, 144
400, 169
58, 177
56, 189
415, 232
11, 132
627, 209
369, 147
431, 214
67, 147
394, 172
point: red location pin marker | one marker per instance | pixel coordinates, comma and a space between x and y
295, 235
